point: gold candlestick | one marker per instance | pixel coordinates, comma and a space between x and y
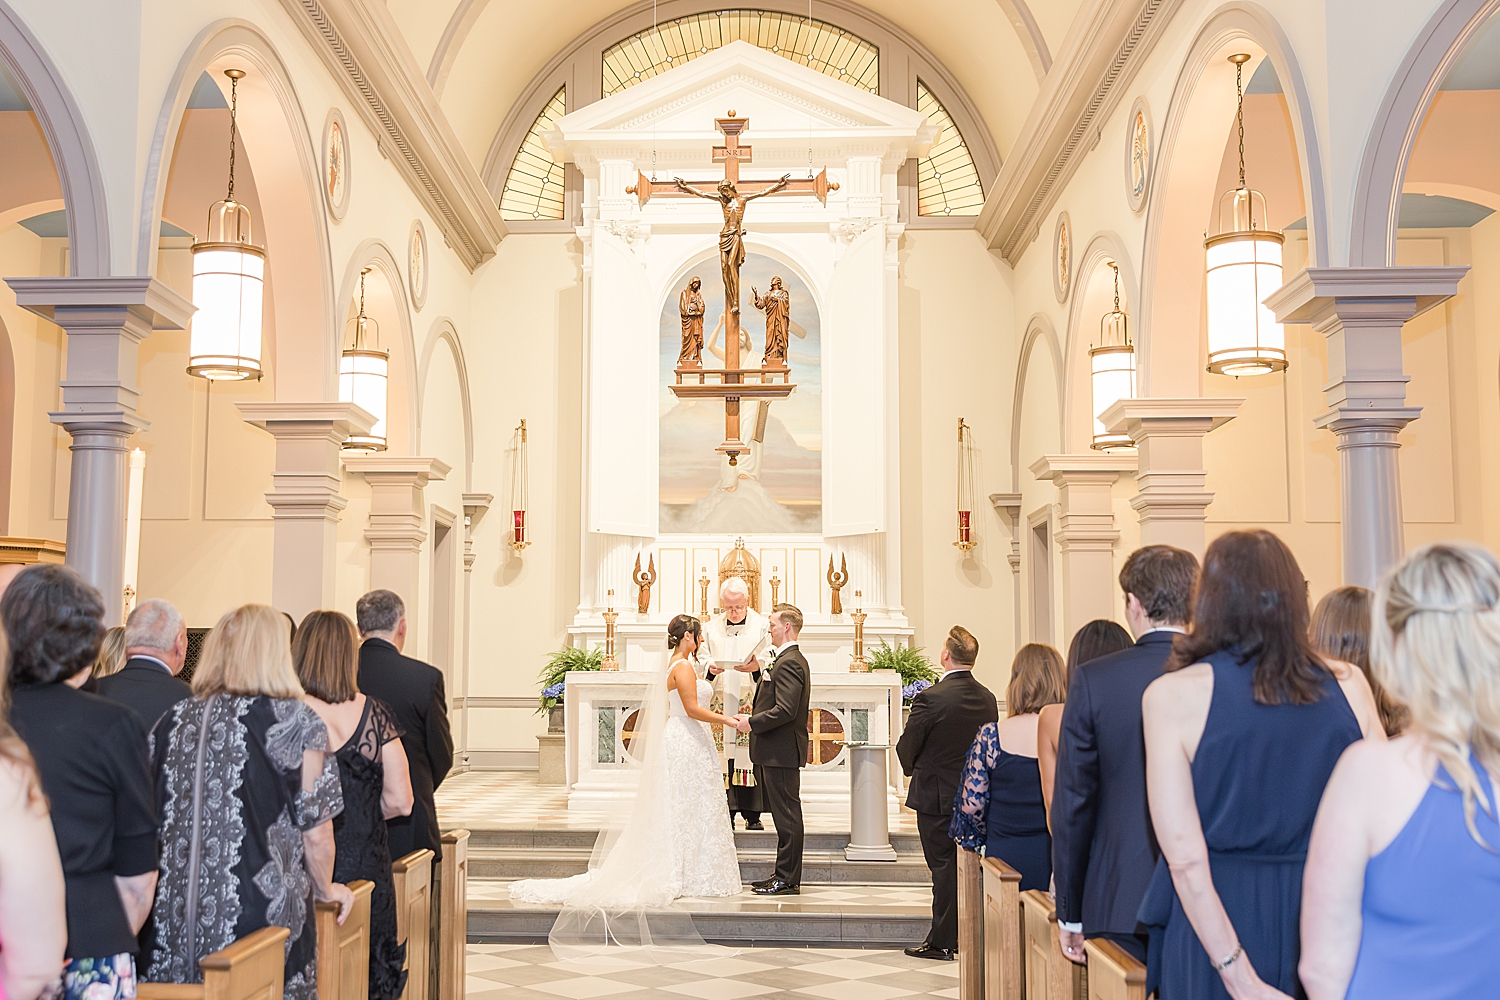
610, 616
858, 665
703, 583
775, 589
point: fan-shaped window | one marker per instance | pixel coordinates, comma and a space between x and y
827, 48
947, 183
534, 186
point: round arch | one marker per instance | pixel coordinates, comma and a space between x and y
90, 253
1103, 247
1039, 330
403, 425
443, 332
1202, 100
1398, 121
293, 227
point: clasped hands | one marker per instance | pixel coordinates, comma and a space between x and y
739, 722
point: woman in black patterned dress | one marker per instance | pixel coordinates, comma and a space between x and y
247, 793
372, 772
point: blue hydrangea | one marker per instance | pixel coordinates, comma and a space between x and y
553, 690
915, 688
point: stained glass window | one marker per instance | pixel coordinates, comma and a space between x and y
947, 183
825, 47
534, 186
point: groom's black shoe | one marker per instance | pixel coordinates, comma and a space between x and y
760, 882
755, 824
777, 887
925, 950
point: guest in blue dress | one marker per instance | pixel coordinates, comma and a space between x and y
1402, 889
1242, 733
999, 809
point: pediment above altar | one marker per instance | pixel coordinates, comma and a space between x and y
789, 106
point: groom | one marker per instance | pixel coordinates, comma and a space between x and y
778, 745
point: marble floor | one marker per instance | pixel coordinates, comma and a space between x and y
843, 897
532, 972
512, 800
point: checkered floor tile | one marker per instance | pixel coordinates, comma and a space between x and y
531, 972
512, 800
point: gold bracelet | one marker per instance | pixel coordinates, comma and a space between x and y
1239, 949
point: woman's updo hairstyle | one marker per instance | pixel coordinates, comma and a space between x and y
681, 626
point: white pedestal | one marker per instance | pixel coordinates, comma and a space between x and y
844, 706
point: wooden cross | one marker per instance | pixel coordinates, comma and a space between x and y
731, 154
825, 734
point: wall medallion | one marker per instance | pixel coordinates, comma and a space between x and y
1062, 257
1138, 152
416, 263
336, 164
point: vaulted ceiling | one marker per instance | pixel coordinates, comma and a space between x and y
483, 54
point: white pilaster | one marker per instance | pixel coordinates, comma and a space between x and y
1168, 435
1008, 506
1085, 530
304, 498
1361, 310
864, 186
475, 506
398, 523
105, 318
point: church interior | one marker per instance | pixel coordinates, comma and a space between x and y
308, 298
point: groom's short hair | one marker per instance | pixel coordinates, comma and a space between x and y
962, 647
790, 615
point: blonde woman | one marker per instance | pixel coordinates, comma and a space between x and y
111, 653
248, 789
1401, 894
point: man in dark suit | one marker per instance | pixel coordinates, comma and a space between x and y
778, 745
155, 646
1103, 846
944, 721
414, 692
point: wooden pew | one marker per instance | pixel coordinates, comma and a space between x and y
253, 968
1004, 974
1114, 974
453, 915
344, 951
970, 925
413, 876
1049, 973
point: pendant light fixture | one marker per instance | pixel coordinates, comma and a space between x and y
1244, 266
228, 282
364, 375
1112, 370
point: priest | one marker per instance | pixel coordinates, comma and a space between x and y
733, 637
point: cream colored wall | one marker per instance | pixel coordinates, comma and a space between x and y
958, 342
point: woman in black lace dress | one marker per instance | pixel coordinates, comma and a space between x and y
374, 776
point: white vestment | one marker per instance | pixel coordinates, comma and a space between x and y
729, 645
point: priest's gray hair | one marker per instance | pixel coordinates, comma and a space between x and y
153, 624
734, 585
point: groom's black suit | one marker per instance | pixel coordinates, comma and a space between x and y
778, 749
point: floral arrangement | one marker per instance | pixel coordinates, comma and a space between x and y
559, 663
913, 689
917, 674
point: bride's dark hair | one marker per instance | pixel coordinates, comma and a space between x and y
681, 626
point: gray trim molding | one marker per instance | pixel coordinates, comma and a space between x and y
503, 760
476, 701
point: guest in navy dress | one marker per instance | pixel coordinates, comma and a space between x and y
1402, 894
1242, 733
998, 809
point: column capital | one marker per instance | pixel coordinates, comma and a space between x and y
1094, 468
398, 514
58, 298
1402, 292
397, 470
1171, 417
329, 421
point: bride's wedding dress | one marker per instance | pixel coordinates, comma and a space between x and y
677, 842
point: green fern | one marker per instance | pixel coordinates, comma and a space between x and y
562, 661
908, 661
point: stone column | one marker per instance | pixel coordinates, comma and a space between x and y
1361, 310
398, 524
304, 498
1008, 506
1085, 530
105, 318
1168, 435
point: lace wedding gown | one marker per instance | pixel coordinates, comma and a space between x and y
680, 846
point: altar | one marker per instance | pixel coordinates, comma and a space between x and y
709, 425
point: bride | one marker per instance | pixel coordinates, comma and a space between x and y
676, 842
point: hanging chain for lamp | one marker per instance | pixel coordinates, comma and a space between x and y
228, 281
1243, 266
1112, 370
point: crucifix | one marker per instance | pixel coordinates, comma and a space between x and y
733, 195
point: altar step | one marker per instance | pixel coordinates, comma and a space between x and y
887, 916
542, 853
